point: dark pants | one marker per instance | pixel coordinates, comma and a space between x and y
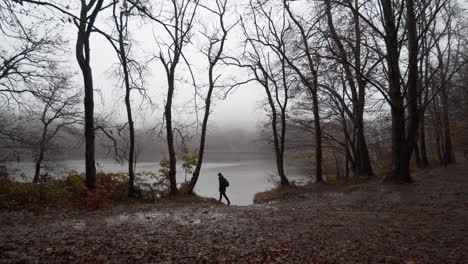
223, 193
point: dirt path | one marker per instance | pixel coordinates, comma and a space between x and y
425, 222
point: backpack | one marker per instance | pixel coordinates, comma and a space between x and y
224, 182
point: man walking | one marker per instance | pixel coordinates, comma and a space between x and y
223, 183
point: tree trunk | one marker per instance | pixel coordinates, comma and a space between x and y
201, 148
423, 73
346, 138
280, 162
338, 167
279, 150
417, 155
318, 131
400, 151
170, 136
447, 148
413, 78
422, 141
313, 88
363, 166
448, 154
211, 80
131, 128
42, 146
85, 28
37, 171
437, 142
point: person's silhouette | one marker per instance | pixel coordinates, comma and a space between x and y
223, 183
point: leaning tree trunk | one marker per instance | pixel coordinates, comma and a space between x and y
201, 149
211, 80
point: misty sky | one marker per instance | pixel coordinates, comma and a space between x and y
241, 109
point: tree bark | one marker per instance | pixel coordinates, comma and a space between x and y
128, 106
85, 27
422, 141
401, 153
448, 155
201, 149
318, 130
417, 155
39, 160
170, 136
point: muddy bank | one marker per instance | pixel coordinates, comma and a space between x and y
424, 222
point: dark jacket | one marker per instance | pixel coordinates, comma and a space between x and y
223, 183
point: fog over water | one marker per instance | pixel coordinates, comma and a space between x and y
248, 173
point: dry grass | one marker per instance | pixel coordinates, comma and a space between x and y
276, 193
279, 193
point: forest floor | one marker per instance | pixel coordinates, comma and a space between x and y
424, 222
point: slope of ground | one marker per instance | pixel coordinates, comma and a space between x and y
424, 222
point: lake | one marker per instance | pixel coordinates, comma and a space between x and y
248, 173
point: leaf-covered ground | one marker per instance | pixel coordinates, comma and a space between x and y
425, 222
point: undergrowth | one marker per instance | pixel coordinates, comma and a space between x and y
71, 192
278, 192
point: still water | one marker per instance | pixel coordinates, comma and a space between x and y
248, 173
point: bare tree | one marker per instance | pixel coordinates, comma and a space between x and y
309, 78
59, 110
85, 21
402, 89
213, 53
266, 61
449, 62
27, 50
178, 25
357, 84
88, 13
131, 73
